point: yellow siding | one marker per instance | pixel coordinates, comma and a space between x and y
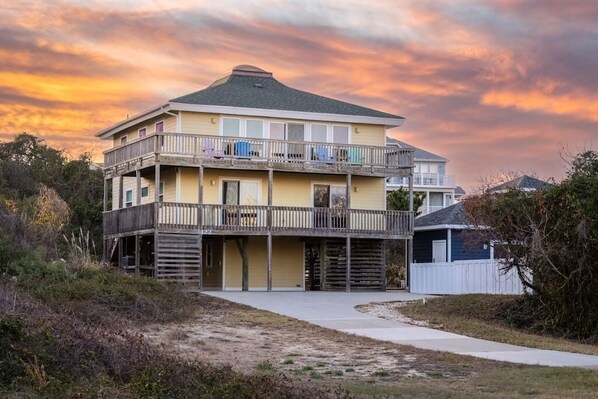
368, 135
130, 183
188, 181
200, 123
169, 179
288, 189
132, 133
371, 193
293, 189
287, 262
257, 264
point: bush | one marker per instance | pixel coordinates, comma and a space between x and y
101, 294
550, 237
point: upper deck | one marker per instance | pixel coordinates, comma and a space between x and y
180, 149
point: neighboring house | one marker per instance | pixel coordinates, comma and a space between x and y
429, 177
459, 194
251, 184
444, 236
523, 183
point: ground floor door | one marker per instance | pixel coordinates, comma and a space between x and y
439, 251
212, 263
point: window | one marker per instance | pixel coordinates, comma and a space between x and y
231, 127
208, 255
160, 126
239, 192
161, 192
296, 132
144, 192
128, 198
441, 169
340, 134
123, 140
142, 132
255, 129
319, 133
277, 130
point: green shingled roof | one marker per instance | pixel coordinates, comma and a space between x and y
251, 87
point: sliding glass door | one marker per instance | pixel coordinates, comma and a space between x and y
335, 199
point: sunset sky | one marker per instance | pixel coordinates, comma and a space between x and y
493, 86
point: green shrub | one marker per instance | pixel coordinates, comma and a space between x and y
102, 294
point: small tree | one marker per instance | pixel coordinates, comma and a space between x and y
395, 249
398, 200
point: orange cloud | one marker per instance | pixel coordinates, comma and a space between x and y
580, 105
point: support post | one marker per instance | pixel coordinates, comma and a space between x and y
348, 191
269, 212
106, 194
348, 252
120, 191
156, 209
242, 244
348, 226
157, 182
269, 224
200, 244
410, 240
120, 252
137, 257
200, 198
138, 186
269, 240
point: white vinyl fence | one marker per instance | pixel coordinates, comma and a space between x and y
463, 277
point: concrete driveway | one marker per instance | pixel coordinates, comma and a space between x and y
336, 310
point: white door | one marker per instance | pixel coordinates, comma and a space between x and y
439, 251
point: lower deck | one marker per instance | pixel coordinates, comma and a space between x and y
253, 263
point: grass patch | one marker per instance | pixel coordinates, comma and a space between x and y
314, 375
266, 366
288, 361
514, 383
380, 373
501, 318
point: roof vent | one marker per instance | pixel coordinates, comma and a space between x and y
258, 86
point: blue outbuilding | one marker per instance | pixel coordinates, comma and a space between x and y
447, 236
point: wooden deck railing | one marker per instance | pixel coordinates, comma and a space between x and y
259, 219
129, 219
214, 149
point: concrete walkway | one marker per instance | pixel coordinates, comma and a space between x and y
336, 310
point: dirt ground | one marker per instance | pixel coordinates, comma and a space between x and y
248, 339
